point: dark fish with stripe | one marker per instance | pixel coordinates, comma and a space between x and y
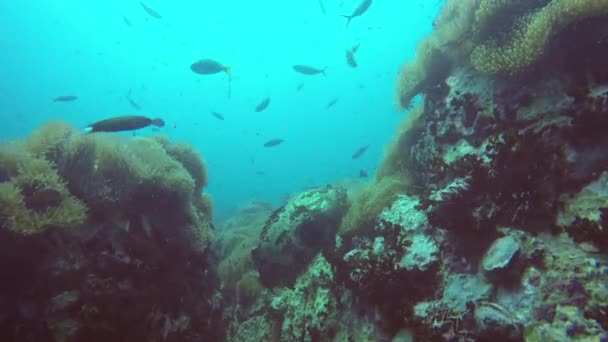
331, 103
262, 105
362, 8
308, 70
65, 98
150, 11
217, 115
209, 67
124, 123
359, 152
273, 142
362, 173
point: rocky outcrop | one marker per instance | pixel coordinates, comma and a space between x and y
296, 232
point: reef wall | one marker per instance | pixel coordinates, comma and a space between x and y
487, 218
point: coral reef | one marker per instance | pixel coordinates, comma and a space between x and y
33, 196
531, 33
136, 262
485, 221
35, 199
494, 36
486, 218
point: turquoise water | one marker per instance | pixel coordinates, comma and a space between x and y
54, 48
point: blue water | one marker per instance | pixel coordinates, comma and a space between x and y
84, 48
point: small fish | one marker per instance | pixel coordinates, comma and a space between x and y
65, 98
308, 70
260, 173
350, 59
262, 105
217, 115
362, 173
350, 56
299, 87
359, 152
124, 123
322, 5
132, 102
209, 67
362, 8
273, 142
331, 103
150, 11
126, 21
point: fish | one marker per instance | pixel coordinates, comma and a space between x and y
65, 98
209, 67
362, 8
150, 11
359, 152
273, 142
299, 87
362, 173
331, 103
322, 5
350, 59
217, 115
262, 105
308, 70
132, 102
124, 123
126, 21
350, 56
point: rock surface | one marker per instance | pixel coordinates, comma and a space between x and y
296, 232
